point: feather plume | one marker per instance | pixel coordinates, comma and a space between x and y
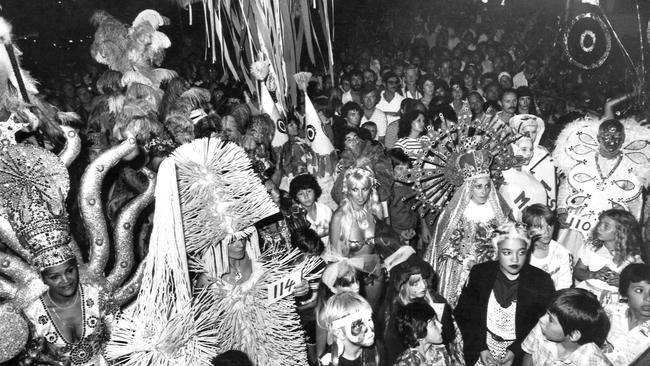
160, 41
260, 69
302, 79
5, 31
135, 77
116, 103
196, 96
66, 118
161, 75
109, 82
152, 17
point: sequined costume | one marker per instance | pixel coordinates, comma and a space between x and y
462, 232
96, 313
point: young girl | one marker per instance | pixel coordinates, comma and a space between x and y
616, 242
421, 333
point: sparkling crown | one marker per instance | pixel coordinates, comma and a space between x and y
474, 163
33, 186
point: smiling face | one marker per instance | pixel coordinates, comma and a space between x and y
512, 256
480, 190
352, 142
62, 279
524, 148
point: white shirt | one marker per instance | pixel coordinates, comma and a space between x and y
379, 118
558, 264
390, 107
626, 344
346, 97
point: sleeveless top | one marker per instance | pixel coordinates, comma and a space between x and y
89, 350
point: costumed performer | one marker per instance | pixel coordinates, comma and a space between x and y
348, 319
325, 157
540, 164
74, 314
520, 188
462, 233
352, 229
606, 166
218, 200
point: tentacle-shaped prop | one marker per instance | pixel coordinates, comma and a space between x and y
72, 146
123, 235
26, 285
91, 207
8, 237
8, 289
14, 330
131, 287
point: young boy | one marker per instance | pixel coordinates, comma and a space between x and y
547, 254
570, 333
348, 319
402, 218
629, 337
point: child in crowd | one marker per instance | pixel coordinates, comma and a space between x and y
546, 253
502, 302
616, 242
371, 127
402, 218
629, 336
337, 277
570, 333
414, 281
420, 331
348, 319
305, 191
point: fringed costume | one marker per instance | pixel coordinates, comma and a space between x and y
210, 198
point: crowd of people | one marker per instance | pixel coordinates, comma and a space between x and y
458, 195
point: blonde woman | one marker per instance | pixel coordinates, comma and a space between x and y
352, 229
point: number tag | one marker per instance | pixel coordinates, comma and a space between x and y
284, 287
581, 223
